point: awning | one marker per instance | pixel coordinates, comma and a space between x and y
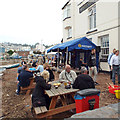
81, 43
52, 48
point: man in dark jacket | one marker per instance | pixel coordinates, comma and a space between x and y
83, 81
92, 65
23, 78
23, 62
39, 98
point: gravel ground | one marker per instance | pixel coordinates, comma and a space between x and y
19, 106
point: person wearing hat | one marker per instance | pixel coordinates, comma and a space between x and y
83, 81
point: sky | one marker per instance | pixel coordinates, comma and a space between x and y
31, 21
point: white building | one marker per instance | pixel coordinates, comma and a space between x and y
40, 47
26, 48
95, 19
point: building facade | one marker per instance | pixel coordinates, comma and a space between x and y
96, 20
2, 51
40, 47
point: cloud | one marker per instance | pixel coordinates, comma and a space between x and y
30, 21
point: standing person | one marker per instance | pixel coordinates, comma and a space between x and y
92, 65
40, 60
109, 58
115, 63
43, 59
55, 61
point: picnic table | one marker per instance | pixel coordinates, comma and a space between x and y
55, 94
30, 87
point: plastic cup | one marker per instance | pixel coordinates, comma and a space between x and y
65, 83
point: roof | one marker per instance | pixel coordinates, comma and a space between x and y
65, 4
80, 43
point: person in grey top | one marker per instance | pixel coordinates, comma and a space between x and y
67, 75
115, 63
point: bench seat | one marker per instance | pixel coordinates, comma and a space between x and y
41, 109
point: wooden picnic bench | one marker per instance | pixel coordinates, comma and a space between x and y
55, 94
41, 109
30, 87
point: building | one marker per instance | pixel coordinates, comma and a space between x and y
95, 19
24, 54
2, 51
40, 47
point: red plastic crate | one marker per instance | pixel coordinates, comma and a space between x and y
83, 104
112, 89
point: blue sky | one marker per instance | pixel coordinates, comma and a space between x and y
31, 21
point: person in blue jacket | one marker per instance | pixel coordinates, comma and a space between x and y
23, 78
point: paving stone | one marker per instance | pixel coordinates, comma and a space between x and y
110, 111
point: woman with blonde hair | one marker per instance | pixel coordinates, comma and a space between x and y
39, 98
47, 67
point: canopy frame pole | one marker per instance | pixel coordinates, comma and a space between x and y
58, 59
66, 55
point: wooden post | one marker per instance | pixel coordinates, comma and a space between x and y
66, 55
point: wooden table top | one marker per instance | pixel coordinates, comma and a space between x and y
60, 91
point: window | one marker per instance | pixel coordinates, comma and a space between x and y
66, 13
104, 47
92, 17
69, 32
86, 5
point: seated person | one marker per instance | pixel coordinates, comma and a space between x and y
50, 61
81, 63
39, 98
23, 78
40, 68
19, 70
33, 68
51, 76
83, 81
23, 62
30, 62
68, 74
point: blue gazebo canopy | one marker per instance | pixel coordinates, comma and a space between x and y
81, 43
